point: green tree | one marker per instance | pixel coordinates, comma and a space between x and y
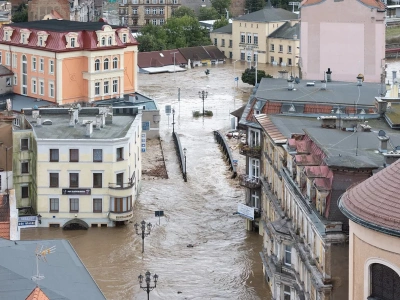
183, 11
220, 6
249, 76
21, 14
254, 5
208, 13
152, 38
220, 23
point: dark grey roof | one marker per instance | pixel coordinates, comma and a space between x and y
5, 71
269, 15
286, 31
350, 161
139, 100
336, 92
62, 25
201, 52
65, 275
19, 102
224, 29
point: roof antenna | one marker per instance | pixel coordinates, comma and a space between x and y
41, 255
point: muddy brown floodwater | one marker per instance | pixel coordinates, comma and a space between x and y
224, 262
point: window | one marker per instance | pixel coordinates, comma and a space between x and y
162, 21
24, 144
103, 41
384, 282
72, 42
242, 37
161, 11
286, 292
97, 65
255, 199
41, 65
154, 21
249, 38
51, 89
256, 39
24, 192
1, 58
215, 42
53, 179
154, 11
33, 63
230, 43
105, 87
54, 205
161, 1
97, 88
134, 11
230, 54
135, 1
289, 49
272, 59
73, 180
223, 43
121, 204
115, 86
24, 167
97, 155
280, 48
41, 87
14, 60
15, 80
289, 61
54, 155
120, 179
73, 155
97, 205
115, 62
40, 41
105, 65
272, 47
24, 75
147, 11
74, 205
120, 153
109, 41
242, 56
255, 57
8, 58
34, 86
254, 168
51, 66
97, 180
288, 255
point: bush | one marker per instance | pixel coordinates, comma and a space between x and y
196, 114
208, 113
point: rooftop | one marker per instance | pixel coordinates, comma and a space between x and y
224, 29
65, 275
268, 15
374, 203
160, 58
286, 31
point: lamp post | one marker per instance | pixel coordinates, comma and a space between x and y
202, 95
173, 120
147, 287
234, 73
143, 233
7, 175
185, 174
174, 62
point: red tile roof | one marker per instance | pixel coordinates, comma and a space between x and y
270, 128
375, 202
307, 160
272, 108
160, 58
317, 108
37, 294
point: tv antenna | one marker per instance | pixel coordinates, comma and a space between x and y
41, 255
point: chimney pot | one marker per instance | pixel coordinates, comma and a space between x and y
89, 128
39, 121
383, 141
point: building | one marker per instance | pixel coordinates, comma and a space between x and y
202, 55
161, 61
374, 262
63, 275
38, 9
326, 26
249, 37
94, 60
284, 42
89, 161
82, 11
137, 13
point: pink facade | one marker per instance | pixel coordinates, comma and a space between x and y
346, 36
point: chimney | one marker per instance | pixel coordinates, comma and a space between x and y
109, 115
383, 140
390, 157
328, 75
323, 84
103, 119
290, 83
71, 118
39, 121
99, 122
359, 80
89, 128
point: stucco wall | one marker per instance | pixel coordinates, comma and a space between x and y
346, 36
366, 247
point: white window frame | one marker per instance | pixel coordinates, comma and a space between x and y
51, 66
8, 58
51, 89
287, 250
97, 86
106, 84
280, 48
115, 84
72, 42
242, 38
15, 80
41, 87
14, 60
255, 199
115, 63
249, 38
286, 293
34, 63
272, 48
34, 86
254, 168
41, 64
254, 138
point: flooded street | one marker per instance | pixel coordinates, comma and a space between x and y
224, 262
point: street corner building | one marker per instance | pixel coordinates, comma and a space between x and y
373, 211
64, 61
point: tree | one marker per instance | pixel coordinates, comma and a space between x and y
208, 13
152, 38
254, 5
183, 11
21, 14
249, 76
220, 23
220, 6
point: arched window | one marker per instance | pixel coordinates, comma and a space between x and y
106, 64
97, 65
385, 283
110, 41
115, 63
103, 41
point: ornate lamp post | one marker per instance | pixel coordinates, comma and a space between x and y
202, 95
143, 233
185, 175
147, 287
173, 120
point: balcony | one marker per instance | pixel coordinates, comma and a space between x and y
120, 216
121, 190
250, 182
121, 186
254, 152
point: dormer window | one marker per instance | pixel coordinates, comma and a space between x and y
72, 40
42, 38
123, 35
40, 42
24, 36
8, 31
103, 41
109, 41
124, 38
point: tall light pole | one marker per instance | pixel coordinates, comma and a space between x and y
174, 62
173, 120
202, 95
234, 72
185, 174
143, 233
147, 278
7, 173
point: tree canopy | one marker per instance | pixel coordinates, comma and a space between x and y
220, 23
220, 6
249, 76
208, 13
183, 11
21, 14
254, 5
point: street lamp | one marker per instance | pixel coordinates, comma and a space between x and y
7, 175
148, 286
174, 62
202, 95
173, 120
185, 174
143, 233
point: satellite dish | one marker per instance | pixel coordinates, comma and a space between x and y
397, 148
381, 133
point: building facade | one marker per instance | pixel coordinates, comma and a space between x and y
90, 165
374, 257
337, 34
38, 9
94, 60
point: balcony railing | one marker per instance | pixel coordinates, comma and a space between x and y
121, 186
120, 216
250, 151
250, 182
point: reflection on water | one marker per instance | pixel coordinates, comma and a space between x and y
224, 262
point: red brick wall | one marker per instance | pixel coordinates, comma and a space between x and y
39, 8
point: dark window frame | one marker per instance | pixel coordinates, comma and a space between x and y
73, 155
73, 202
51, 156
95, 183
25, 167
23, 146
97, 202
24, 192
72, 183
54, 205
55, 181
97, 160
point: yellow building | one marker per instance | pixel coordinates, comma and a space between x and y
88, 164
249, 37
